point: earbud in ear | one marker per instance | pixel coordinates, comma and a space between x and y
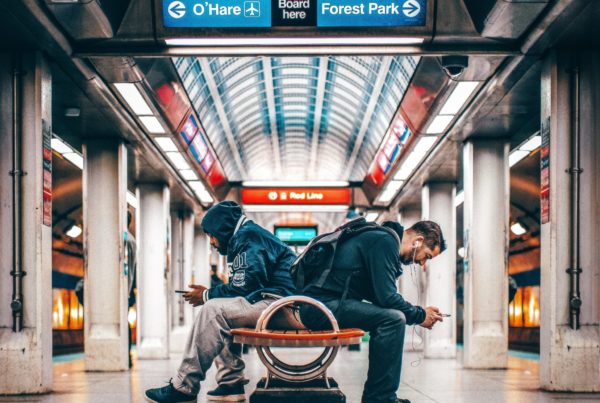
417, 244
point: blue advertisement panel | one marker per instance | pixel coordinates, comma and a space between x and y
296, 235
217, 13
371, 13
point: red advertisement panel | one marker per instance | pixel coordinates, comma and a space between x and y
290, 196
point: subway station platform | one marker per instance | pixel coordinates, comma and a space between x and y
423, 380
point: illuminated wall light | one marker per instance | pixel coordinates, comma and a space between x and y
459, 96
292, 41
459, 198
189, 175
131, 199
60, 146
134, 98
178, 160
268, 208
166, 144
439, 124
75, 158
461, 251
132, 316
152, 124
532, 144
74, 231
518, 229
371, 216
296, 184
516, 156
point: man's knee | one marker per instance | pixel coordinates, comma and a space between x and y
396, 318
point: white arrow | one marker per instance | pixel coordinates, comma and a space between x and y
176, 9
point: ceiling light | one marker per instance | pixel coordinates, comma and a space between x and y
459, 198
60, 146
189, 174
152, 124
131, 199
72, 112
439, 124
518, 229
294, 184
75, 158
461, 251
459, 96
134, 98
387, 195
408, 166
74, 231
533, 143
424, 145
267, 208
178, 160
516, 156
166, 144
394, 185
201, 191
308, 41
371, 216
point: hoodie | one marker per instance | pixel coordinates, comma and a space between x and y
258, 261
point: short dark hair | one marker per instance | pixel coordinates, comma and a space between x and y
432, 233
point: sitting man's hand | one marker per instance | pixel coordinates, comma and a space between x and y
194, 297
432, 315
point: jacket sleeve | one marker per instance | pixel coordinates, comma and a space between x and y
382, 260
249, 273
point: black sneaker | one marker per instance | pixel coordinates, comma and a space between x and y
398, 400
228, 393
168, 394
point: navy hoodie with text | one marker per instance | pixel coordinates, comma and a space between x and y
258, 261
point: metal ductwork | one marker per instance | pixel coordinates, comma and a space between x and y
117, 69
89, 19
504, 19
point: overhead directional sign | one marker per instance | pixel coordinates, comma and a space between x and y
296, 196
217, 13
290, 13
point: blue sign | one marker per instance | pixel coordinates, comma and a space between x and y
217, 13
371, 13
296, 235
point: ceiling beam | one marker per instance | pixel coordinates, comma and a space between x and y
320, 97
384, 69
270, 95
216, 97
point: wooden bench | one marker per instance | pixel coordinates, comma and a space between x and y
264, 338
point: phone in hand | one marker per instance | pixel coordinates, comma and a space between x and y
445, 315
181, 291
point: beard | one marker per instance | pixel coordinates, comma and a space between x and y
406, 259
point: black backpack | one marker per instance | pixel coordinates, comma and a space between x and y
313, 265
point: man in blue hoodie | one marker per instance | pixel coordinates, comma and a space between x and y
259, 266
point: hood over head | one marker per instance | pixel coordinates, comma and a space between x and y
395, 226
220, 221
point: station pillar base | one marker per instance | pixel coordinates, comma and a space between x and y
280, 391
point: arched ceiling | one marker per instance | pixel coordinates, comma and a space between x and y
296, 118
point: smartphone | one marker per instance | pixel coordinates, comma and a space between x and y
181, 291
445, 315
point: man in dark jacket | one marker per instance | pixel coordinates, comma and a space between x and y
366, 268
259, 265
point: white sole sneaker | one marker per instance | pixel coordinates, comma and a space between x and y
154, 401
228, 398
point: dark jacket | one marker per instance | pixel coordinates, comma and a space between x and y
258, 262
373, 260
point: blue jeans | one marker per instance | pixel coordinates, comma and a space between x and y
386, 327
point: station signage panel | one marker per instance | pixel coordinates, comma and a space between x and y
296, 196
295, 235
293, 13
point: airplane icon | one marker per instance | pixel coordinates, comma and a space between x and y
251, 9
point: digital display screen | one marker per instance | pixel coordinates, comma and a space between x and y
296, 235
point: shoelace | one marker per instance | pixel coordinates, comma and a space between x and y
166, 388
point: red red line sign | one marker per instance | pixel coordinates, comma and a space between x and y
291, 196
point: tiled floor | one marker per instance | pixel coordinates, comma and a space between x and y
422, 381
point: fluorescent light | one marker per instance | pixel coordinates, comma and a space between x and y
75, 158
189, 174
459, 198
394, 185
60, 146
518, 229
265, 208
371, 216
134, 98
294, 184
461, 251
131, 199
516, 156
178, 160
152, 124
531, 144
459, 96
424, 145
408, 166
308, 41
439, 124
74, 231
201, 191
387, 195
166, 144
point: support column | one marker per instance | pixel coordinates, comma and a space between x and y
25, 349
570, 354
201, 267
438, 204
153, 271
486, 181
412, 283
105, 222
182, 229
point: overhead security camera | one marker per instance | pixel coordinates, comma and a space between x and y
454, 65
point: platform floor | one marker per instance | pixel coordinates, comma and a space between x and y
441, 381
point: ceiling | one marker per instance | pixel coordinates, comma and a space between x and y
296, 118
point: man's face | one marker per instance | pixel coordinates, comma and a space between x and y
414, 249
214, 242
